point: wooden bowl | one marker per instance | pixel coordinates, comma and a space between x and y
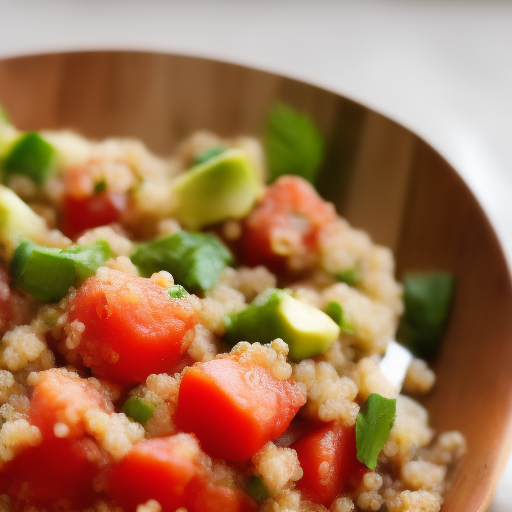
381, 176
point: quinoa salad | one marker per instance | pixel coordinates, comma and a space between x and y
202, 333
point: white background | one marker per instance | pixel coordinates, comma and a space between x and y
441, 68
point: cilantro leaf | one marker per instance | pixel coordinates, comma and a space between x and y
427, 300
373, 425
350, 276
195, 260
206, 155
293, 143
335, 311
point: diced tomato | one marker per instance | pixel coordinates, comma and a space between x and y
328, 458
63, 397
60, 467
175, 472
82, 207
91, 212
57, 469
235, 407
133, 328
287, 221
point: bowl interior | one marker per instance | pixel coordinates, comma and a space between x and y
381, 176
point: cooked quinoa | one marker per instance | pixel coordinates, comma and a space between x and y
100, 420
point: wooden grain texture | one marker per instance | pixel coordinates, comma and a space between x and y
381, 176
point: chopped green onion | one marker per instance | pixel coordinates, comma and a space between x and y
88, 258
256, 489
293, 143
177, 292
100, 187
335, 311
195, 260
201, 158
42, 272
31, 156
427, 300
373, 425
139, 409
350, 276
4, 117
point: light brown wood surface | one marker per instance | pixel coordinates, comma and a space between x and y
380, 175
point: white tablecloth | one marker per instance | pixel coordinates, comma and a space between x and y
442, 68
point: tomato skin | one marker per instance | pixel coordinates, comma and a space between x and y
57, 469
92, 211
290, 205
234, 407
334, 446
132, 327
60, 396
173, 471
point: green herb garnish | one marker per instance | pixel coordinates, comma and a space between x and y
195, 260
201, 158
100, 187
177, 292
293, 143
335, 311
427, 300
256, 489
373, 425
139, 409
350, 276
31, 156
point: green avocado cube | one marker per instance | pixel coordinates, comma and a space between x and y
18, 221
223, 187
31, 156
307, 331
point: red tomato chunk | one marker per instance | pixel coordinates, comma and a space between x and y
82, 207
235, 407
328, 459
175, 472
91, 212
58, 468
287, 221
133, 328
63, 397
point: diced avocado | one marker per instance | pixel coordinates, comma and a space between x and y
48, 273
18, 221
224, 187
307, 330
31, 156
42, 272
